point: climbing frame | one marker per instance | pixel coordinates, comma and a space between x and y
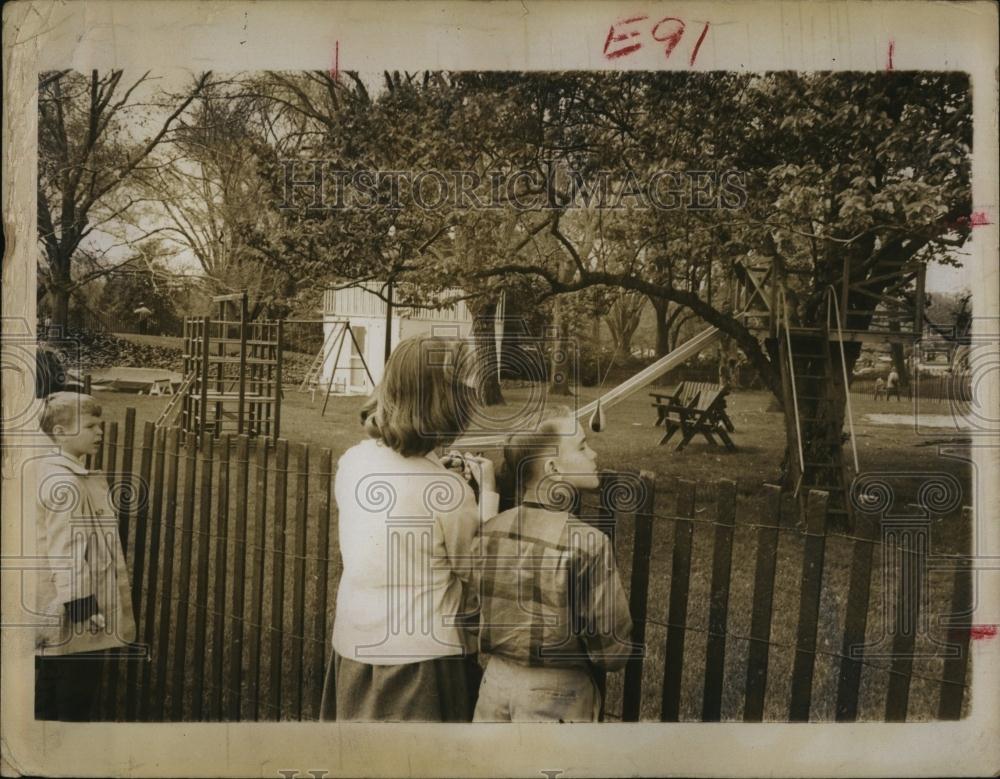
235, 366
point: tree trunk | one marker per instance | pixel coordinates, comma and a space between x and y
484, 335
674, 324
623, 320
822, 407
560, 364
661, 307
58, 285
623, 348
899, 361
59, 296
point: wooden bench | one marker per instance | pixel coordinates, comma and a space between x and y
693, 408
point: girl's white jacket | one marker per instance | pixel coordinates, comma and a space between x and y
406, 527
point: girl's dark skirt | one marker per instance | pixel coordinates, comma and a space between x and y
440, 690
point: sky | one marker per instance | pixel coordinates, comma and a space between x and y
945, 278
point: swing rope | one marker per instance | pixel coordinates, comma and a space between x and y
832, 298
783, 315
597, 419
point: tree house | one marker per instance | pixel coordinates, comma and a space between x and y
815, 360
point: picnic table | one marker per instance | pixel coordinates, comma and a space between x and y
153, 381
694, 408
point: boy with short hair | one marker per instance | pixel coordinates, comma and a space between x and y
553, 609
84, 592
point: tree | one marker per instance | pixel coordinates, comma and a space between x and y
949, 314
822, 177
413, 124
208, 191
142, 283
864, 178
87, 152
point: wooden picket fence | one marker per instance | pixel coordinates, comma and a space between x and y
206, 525
231, 545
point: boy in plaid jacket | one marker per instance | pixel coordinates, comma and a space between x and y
553, 609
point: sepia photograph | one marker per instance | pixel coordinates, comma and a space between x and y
463, 393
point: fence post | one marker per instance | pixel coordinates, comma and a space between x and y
206, 326
278, 391
959, 623
257, 593
139, 566
99, 456
299, 575
201, 580
148, 592
187, 402
639, 596
184, 578
680, 573
119, 658
722, 558
108, 670
812, 579
605, 519
242, 392
763, 599
278, 574
112, 447
153, 572
322, 581
856, 621
169, 542
910, 547
221, 575
127, 486
239, 578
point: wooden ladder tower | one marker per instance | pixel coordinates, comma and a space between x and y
812, 381
235, 366
812, 361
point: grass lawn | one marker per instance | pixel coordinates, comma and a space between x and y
630, 442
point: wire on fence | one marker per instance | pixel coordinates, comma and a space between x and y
233, 618
180, 529
261, 550
802, 533
826, 652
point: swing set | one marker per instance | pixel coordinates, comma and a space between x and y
812, 360
333, 344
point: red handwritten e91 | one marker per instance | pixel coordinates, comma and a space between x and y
627, 36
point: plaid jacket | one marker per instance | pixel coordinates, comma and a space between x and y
549, 591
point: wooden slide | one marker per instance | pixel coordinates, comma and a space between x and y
629, 387
651, 373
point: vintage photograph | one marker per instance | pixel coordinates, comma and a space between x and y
508, 389
454, 396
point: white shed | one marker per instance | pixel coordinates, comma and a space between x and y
365, 311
